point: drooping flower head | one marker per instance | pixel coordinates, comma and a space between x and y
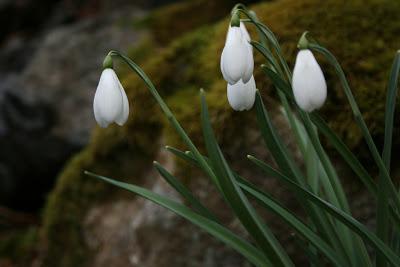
237, 64
237, 61
308, 81
110, 101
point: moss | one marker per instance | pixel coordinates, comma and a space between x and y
177, 19
116, 151
18, 244
364, 36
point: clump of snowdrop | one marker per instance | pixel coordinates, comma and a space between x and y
110, 101
237, 64
308, 81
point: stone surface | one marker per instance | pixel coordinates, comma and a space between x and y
46, 95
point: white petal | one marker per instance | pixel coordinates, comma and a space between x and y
97, 115
249, 66
245, 33
241, 96
308, 82
222, 67
235, 56
107, 104
123, 117
250, 60
250, 92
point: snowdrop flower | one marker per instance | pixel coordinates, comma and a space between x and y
309, 86
237, 61
241, 96
110, 102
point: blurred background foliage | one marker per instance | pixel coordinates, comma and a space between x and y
53, 215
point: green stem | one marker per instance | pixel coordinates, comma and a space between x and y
167, 113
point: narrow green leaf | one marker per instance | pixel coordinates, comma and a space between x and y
346, 219
274, 206
286, 165
185, 193
322, 126
236, 198
278, 81
338, 196
312, 168
390, 108
382, 223
361, 123
266, 53
210, 226
275, 143
182, 155
345, 152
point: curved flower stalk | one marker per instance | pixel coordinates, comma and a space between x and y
110, 101
241, 96
309, 85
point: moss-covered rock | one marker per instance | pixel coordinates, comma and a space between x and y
364, 36
177, 19
18, 245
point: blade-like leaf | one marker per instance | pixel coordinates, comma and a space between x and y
382, 224
266, 53
278, 81
287, 165
236, 198
274, 206
185, 193
322, 126
346, 219
345, 152
218, 231
361, 124
182, 155
332, 137
274, 142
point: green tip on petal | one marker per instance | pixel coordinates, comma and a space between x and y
303, 42
108, 62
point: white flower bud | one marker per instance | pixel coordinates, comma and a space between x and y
237, 61
241, 96
110, 101
308, 82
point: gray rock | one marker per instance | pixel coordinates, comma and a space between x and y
46, 100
